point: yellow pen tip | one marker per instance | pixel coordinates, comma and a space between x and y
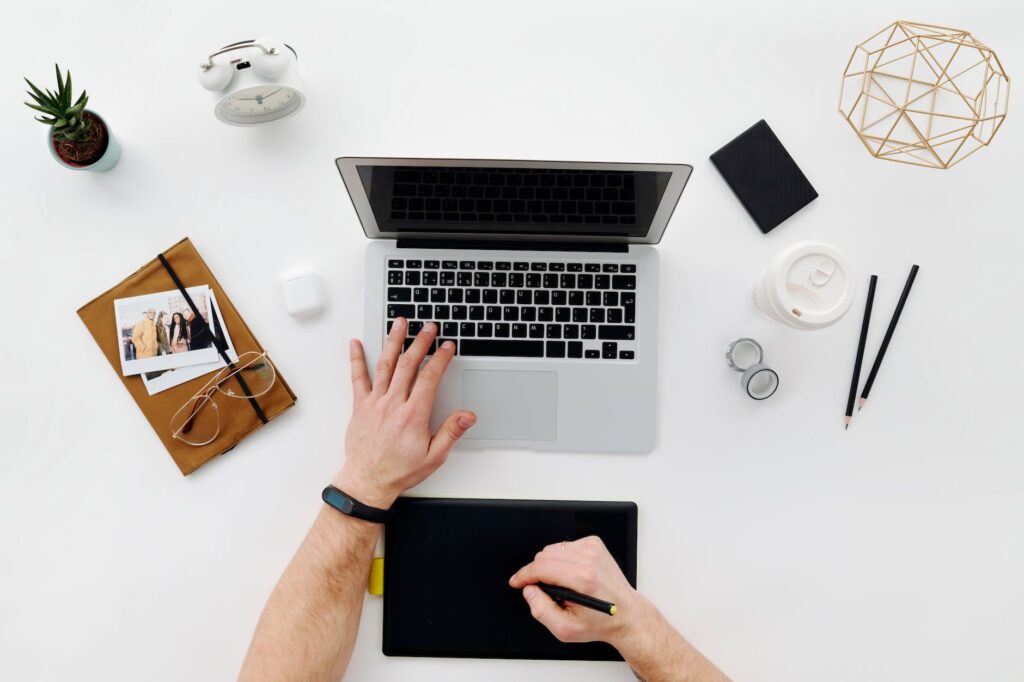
613, 609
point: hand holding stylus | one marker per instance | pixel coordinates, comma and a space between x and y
648, 642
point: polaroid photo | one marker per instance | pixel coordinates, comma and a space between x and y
161, 380
160, 331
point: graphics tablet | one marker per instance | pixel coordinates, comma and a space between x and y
447, 563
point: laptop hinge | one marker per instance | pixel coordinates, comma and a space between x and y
518, 245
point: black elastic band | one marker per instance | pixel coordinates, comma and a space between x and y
217, 341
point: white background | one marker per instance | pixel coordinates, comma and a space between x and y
782, 546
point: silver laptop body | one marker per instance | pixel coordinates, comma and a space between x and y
543, 274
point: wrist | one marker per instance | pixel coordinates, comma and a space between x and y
366, 491
638, 632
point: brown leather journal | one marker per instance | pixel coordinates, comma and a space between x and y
238, 418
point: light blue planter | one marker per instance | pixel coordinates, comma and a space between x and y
106, 162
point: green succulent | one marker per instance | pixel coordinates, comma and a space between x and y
65, 118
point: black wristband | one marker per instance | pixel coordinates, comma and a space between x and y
350, 506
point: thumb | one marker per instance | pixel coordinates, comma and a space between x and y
450, 431
549, 614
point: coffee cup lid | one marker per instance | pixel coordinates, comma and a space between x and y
811, 283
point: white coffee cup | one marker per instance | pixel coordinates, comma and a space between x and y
807, 285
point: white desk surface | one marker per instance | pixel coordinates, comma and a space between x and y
782, 546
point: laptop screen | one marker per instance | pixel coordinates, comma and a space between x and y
613, 202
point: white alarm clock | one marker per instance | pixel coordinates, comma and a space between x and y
254, 81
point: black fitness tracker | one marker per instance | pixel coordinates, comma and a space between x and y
350, 506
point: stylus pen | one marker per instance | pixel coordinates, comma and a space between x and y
565, 594
888, 337
860, 351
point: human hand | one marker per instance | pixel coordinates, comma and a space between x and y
388, 446
586, 567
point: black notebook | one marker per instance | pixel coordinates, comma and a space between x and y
763, 176
447, 563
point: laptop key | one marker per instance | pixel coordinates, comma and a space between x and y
455, 342
503, 265
571, 331
553, 331
499, 280
472, 295
593, 298
460, 312
611, 299
485, 329
588, 331
490, 295
520, 266
506, 296
502, 348
405, 311
449, 264
627, 282
484, 265
519, 330
609, 350
442, 312
502, 330
575, 298
559, 298
420, 295
493, 313
481, 279
431, 264
528, 314
397, 295
415, 327
425, 312
395, 278
467, 265
610, 267
597, 314
467, 329
593, 354
476, 312
538, 267
575, 348
412, 278
615, 315
447, 279
550, 281
626, 355
574, 267
465, 279
556, 267
430, 279
541, 297
592, 267
546, 314
533, 280
603, 281
450, 329
628, 267
415, 264
556, 349
579, 315
393, 263
510, 313
584, 281
562, 314
619, 332
516, 280
438, 295
536, 331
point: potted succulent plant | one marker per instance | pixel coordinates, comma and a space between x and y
79, 139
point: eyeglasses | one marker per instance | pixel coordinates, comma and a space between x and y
197, 422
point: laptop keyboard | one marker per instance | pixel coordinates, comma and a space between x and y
519, 308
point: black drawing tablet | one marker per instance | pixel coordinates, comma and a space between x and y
763, 176
447, 563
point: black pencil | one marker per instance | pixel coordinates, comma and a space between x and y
860, 351
562, 594
888, 336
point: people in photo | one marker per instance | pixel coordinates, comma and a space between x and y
144, 336
162, 341
178, 334
198, 331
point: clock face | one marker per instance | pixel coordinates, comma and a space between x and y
260, 104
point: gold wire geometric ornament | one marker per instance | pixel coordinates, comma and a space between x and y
924, 95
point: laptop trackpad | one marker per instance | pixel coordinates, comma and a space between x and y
511, 405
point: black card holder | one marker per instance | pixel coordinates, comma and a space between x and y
763, 176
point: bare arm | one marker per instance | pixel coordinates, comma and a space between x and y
648, 642
308, 628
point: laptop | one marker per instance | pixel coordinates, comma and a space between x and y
544, 275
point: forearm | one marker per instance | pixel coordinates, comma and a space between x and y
658, 653
309, 626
